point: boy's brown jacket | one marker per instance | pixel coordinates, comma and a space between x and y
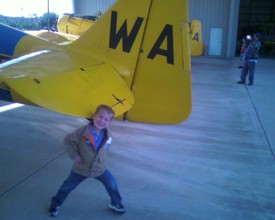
93, 163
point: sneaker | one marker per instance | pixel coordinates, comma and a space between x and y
53, 211
119, 208
241, 82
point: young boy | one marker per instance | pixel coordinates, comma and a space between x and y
87, 148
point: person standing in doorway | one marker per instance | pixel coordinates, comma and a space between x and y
251, 57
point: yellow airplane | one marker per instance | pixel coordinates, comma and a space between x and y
55, 37
135, 58
76, 24
71, 26
196, 38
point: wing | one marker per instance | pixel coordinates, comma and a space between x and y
51, 79
55, 37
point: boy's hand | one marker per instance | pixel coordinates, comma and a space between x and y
78, 160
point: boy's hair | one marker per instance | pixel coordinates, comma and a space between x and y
106, 108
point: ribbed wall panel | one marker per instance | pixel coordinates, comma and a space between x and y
91, 7
212, 14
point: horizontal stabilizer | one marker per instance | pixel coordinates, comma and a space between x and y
72, 91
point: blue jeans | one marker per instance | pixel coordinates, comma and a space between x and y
75, 179
249, 67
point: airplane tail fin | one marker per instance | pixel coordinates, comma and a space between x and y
147, 42
196, 38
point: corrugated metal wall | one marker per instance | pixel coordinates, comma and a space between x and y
217, 14
91, 7
212, 14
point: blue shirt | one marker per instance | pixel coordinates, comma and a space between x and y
97, 138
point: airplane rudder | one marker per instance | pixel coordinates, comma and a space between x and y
196, 38
162, 80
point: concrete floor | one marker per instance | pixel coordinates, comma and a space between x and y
219, 164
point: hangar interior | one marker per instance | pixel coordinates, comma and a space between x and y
258, 16
224, 22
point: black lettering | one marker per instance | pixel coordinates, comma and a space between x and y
196, 37
167, 33
121, 34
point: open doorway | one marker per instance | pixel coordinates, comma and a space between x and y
258, 16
